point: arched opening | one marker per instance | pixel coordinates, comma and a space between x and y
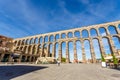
15, 43
106, 46
21, 48
96, 47
39, 50
25, 49
112, 30
56, 50
116, 41
50, 50
33, 50
102, 31
51, 38
87, 50
32, 41
29, 50
46, 39
77, 34
63, 44
85, 34
93, 33
45, 51
63, 35
57, 37
70, 35
19, 43
119, 26
27, 42
36, 41
79, 51
71, 52
41, 40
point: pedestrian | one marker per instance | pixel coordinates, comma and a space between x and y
58, 62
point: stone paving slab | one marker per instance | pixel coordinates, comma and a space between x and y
54, 72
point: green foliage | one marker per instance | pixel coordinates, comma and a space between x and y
115, 60
102, 58
63, 59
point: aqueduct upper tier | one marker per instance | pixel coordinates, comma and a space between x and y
39, 45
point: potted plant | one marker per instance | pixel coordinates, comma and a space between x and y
115, 61
103, 63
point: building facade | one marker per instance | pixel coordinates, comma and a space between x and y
6, 46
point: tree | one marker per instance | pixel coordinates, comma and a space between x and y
102, 58
115, 60
63, 59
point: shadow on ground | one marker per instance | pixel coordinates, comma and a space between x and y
11, 71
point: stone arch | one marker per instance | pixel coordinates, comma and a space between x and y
45, 51
41, 40
25, 48
15, 43
46, 39
87, 50
33, 49
31, 41
50, 49
106, 45
56, 50
119, 26
79, 50
77, 34
116, 41
93, 32
96, 47
63, 45
19, 42
23, 42
29, 49
39, 49
57, 37
102, 31
63, 35
70, 50
112, 30
36, 40
85, 33
21, 48
70, 34
51, 39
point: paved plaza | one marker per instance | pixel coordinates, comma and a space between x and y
54, 72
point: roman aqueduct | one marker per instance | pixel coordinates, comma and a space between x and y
39, 45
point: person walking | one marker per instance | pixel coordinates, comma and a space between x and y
58, 62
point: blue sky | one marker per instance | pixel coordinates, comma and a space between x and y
19, 18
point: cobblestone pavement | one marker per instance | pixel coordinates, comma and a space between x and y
54, 72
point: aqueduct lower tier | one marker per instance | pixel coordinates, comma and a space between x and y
39, 45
